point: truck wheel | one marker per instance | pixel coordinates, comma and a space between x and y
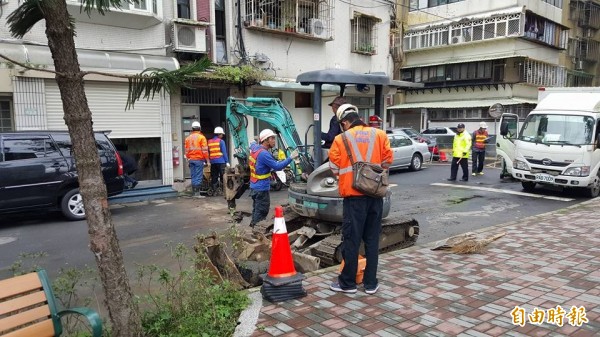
528, 186
594, 190
71, 205
416, 162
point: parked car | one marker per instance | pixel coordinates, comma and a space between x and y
412, 133
440, 131
408, 153
37, 171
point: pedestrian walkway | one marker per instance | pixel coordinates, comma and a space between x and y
517, 287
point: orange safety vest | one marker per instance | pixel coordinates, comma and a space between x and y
366, 144
479, 138
214, 148
196, 147
254, 177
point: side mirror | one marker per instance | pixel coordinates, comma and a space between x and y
504, 128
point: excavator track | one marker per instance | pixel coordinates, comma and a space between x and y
396, 233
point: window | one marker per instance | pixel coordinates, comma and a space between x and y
5, 115
183, 9
220, 28
20, 149
303, 18
364, 34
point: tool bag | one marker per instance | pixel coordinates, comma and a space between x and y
367, 178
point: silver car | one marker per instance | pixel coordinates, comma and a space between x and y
408, 153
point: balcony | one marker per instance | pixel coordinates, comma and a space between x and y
306, 19
585, 13
144, 14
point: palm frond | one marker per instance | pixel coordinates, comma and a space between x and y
103, 6
24, 18
152, 80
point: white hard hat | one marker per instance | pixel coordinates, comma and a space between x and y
344, 110
483, 125
196, 125
266, 133
219, 131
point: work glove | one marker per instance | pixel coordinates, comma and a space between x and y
294, 154
227, 164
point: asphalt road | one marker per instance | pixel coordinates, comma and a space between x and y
442, 208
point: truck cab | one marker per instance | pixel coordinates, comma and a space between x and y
558, 143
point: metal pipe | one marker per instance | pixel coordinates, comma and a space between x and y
317, 122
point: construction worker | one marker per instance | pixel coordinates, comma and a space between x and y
461, 147
261, 163
196, 152
480, 139
218, 157
362, 213
334, 125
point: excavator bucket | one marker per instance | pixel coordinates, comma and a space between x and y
213, 257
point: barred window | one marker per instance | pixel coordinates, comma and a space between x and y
5, 115
364, 34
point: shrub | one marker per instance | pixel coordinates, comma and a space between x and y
188, 301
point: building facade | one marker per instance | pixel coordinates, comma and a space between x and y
472, 54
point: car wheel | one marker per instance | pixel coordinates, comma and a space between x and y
528, 186
71, 205
416, 162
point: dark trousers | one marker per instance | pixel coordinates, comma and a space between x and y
362, 222
261, 202
478, 161
464, 164
216, 173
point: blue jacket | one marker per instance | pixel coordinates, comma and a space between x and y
222, 160
334, 130
264, 164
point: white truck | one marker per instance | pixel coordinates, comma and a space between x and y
558, 143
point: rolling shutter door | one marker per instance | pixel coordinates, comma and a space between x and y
107, 102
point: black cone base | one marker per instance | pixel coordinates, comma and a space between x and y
278, 289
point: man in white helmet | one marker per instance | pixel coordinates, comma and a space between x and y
261, 162
362, 213
480, 139
218, 157
196, 152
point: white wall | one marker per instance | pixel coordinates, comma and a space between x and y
149, 40
292, 55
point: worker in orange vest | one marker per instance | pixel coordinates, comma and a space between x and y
218, 157
362, 213
196, 152
480, 139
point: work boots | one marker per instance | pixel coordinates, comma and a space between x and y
196, 192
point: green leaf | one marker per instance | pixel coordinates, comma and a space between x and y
24, 18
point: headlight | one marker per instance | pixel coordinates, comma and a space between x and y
580, 171
520, 165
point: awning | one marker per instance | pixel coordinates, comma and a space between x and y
88, 59
453, 60
469, 17
464, 103
293, 86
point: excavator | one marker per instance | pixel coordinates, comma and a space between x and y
314, 215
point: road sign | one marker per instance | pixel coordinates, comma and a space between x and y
496, 110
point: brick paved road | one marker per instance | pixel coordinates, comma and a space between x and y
543, 262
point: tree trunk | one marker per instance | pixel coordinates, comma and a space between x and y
123, 312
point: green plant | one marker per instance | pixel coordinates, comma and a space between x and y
27, 263
245, 75
187, 301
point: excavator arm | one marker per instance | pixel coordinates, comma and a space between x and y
269, 110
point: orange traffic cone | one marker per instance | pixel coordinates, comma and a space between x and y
282, 282
443, 156
360, 271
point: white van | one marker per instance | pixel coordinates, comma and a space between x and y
558, 143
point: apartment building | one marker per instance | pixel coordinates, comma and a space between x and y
284, 38
124, 41
472, 54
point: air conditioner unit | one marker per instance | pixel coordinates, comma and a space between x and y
318, 28
189, 38
457, 39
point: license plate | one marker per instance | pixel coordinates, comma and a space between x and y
544, 178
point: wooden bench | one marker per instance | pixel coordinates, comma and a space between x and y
28, 308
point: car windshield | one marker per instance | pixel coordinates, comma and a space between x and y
557, 129
411, 132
